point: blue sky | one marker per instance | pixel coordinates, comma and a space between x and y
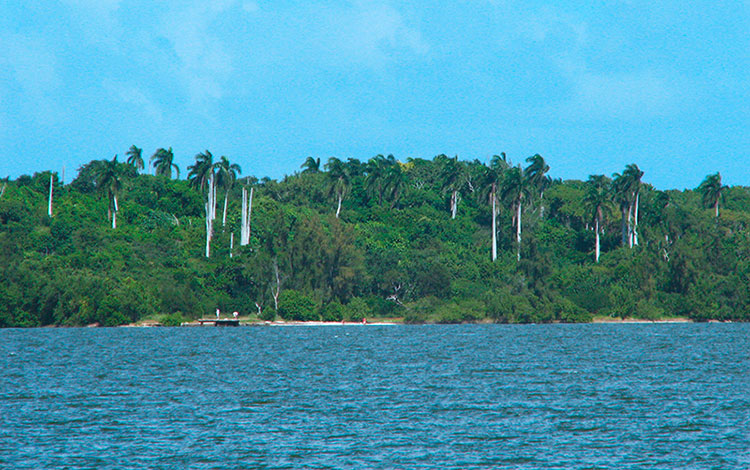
591, 86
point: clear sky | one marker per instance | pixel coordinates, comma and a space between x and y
591, 86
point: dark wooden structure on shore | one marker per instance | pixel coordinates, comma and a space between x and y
219, 321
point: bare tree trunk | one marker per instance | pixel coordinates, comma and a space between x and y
630, 225
716, 207
247, 208
210, 213
2, 190
276, 292
114, 213
494, 224
49, 203
338, 209
224, 217
454, 204
596, 246
541, 205
231, 245
635, 219
518, 231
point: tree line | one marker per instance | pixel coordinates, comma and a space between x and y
439, 240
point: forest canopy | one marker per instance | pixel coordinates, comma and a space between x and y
440, 240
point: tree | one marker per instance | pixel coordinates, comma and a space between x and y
490, 182
135, 158
163, 162
515, 189
596, 203
634, 174
338, 181
626, 193
108, 182
712, 190
200, 172
536, 175
451, 174
226, 176
311, 165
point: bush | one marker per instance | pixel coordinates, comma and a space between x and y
296, 306
333, 311
173, 319
356, 309
569, 312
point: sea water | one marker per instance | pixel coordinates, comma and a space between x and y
618, 396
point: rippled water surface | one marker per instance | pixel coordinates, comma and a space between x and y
557, 396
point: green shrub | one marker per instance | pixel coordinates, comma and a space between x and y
296, 306
172, 319
356, 309
332, 311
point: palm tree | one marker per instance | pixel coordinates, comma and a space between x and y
634, 175
597, 203
536, 174
626, 192
395, 180
163, 162
311, 165
135, 158
712, 190
200, 171
514, 190
338, 181
227, 175
376, 170
450, 176
621, 190
490, 182
108, 181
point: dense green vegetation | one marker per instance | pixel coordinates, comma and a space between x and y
382, 238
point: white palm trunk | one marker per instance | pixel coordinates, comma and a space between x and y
224, 216
494, 226
210, 213
338, 208
231, 245
630, 226
596, 246
635, 219
518, 231
247, 208
49, 202
114, 213
716, 207
454, 204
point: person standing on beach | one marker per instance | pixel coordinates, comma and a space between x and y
217, 313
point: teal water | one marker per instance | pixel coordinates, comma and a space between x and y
668, 396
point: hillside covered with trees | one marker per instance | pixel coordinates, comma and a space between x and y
441, 240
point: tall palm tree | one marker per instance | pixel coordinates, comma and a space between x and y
395, 181
451, 174
536, 174
515, 189
163, 162
135, 158
597, 203
108, 182
200, 171
376, 170
491, 179
226, 176
712, 189
634, 174
311, 165
338, 181
621, 190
